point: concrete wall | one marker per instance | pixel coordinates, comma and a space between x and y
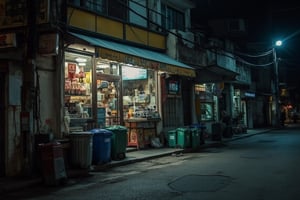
14, 156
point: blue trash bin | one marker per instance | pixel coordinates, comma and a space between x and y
101, 146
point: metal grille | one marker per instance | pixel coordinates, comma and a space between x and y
172, 112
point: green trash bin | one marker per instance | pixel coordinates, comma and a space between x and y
183, 137
195, 138
118, 142
172, 138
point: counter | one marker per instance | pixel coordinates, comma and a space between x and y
140, 131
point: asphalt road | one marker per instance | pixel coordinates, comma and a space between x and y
261, 167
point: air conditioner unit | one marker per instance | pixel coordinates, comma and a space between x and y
187, 38
199, 39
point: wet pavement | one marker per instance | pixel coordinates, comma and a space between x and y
10, 184
200, 183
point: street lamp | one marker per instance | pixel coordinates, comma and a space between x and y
278, 43
276, 83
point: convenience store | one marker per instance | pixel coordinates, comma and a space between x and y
108, 83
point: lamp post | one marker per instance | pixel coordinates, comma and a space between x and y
276, 84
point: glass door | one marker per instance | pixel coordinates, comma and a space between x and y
108, 109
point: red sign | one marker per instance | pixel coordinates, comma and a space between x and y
71, 70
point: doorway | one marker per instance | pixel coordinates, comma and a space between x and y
109, 111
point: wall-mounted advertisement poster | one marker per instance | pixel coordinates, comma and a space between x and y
173, 87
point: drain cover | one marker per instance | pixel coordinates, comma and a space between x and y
200, 183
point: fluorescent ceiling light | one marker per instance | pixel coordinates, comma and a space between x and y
82, 64
102, 66
81, 60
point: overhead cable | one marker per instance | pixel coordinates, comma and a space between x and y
255, 65
255, 56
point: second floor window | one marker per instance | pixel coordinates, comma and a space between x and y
172, 19
156, 17
112, 8
138, 12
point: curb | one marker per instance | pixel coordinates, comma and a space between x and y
97, 168
249, 135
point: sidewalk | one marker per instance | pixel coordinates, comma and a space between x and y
8, 184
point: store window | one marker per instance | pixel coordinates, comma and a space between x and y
139, 92
107, 67
78, 85
205, 105
107, 101
108, 92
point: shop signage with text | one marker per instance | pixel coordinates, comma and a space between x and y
146, 63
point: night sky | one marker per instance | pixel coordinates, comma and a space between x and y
267, 21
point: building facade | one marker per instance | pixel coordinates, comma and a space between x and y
77, 65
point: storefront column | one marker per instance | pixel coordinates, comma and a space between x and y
159, 87
60, 91
193, 107
250, 105
230, 102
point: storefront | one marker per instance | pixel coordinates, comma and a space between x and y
105, 86
206, 101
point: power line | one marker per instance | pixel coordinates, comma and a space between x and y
255, 56
254, 65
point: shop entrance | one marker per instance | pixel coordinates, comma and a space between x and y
108, 100
2, 124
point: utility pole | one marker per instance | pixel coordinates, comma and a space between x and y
276, 85
28, 88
